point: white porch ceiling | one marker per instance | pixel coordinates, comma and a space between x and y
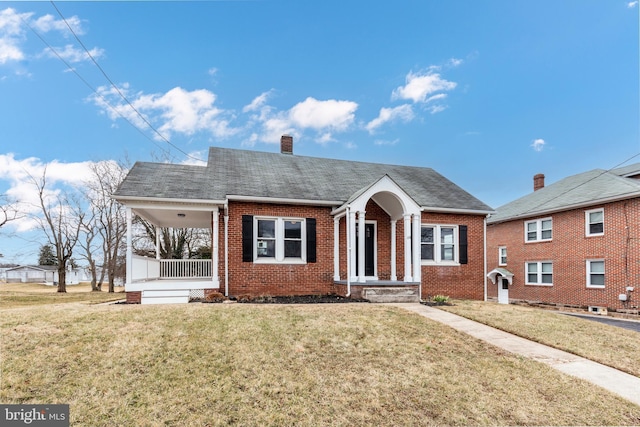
178, 217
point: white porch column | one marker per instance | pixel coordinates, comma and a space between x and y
336, 249
407, 248
361, 240
129, 267
352, 242
158, 230
394, 275
416, 248
215, 255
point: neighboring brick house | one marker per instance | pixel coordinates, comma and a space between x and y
283, 224
575, 242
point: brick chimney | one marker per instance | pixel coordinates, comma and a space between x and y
538, 181
286, 144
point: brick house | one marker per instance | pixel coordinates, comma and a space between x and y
283, 224
573, 243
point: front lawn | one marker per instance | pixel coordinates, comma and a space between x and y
609, 345
28, 294
246, 364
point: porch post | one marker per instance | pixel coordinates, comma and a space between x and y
215, 247
336, 249
352, 242
158, 243
394, 275
407, 248
416, 248
361, 239
129, 247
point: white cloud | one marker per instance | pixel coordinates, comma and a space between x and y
74, 55
632, 4
176, 111
258, 102
315, 114
323, 117
402, 113
386, 142
455, 62
420, 86
20, 176
538, 144
13, 34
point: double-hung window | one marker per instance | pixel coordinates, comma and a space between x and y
594, 222
595, 273
439, 243
502, 255
279, 239
539, 273
538, 230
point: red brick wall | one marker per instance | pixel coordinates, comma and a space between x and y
461, 281
248, 278
134, 297
569, 250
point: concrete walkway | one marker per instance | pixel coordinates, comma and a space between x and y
621, 383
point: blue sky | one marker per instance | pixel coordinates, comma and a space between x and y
488, 93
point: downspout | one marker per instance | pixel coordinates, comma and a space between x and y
485, 255
348, 231
226, 249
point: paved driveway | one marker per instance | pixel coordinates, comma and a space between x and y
627, 324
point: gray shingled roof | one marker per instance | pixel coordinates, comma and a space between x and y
584, 189
231, 172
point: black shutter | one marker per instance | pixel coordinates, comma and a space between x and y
247, 238
311, 240
462, 241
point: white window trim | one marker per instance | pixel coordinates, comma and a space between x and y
588, 272
436, 246
587, 230
500, 248
279, 239
538, 230
539, 273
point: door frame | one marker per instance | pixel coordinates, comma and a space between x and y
374, 223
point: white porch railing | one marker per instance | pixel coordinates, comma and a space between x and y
144, 269
185, 268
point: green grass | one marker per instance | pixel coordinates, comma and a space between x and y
609, 345
243, 364
28, 294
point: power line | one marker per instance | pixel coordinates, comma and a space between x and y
126, 100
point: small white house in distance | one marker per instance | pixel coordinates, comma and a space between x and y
47, 274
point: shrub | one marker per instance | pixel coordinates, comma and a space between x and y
440, 299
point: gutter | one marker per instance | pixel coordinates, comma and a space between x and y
239, 198
226, 249
485, 257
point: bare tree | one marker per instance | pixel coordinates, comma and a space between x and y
61, 221
106, 222
8, 210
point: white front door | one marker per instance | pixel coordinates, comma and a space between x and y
503, 290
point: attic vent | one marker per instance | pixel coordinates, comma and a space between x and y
597, 310
286, 144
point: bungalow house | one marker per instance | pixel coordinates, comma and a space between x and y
575, 242
283, 224
32, 274
47, 274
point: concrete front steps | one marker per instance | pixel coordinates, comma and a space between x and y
168, 296
391, 294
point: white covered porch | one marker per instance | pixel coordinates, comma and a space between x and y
172, 280
400, 207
